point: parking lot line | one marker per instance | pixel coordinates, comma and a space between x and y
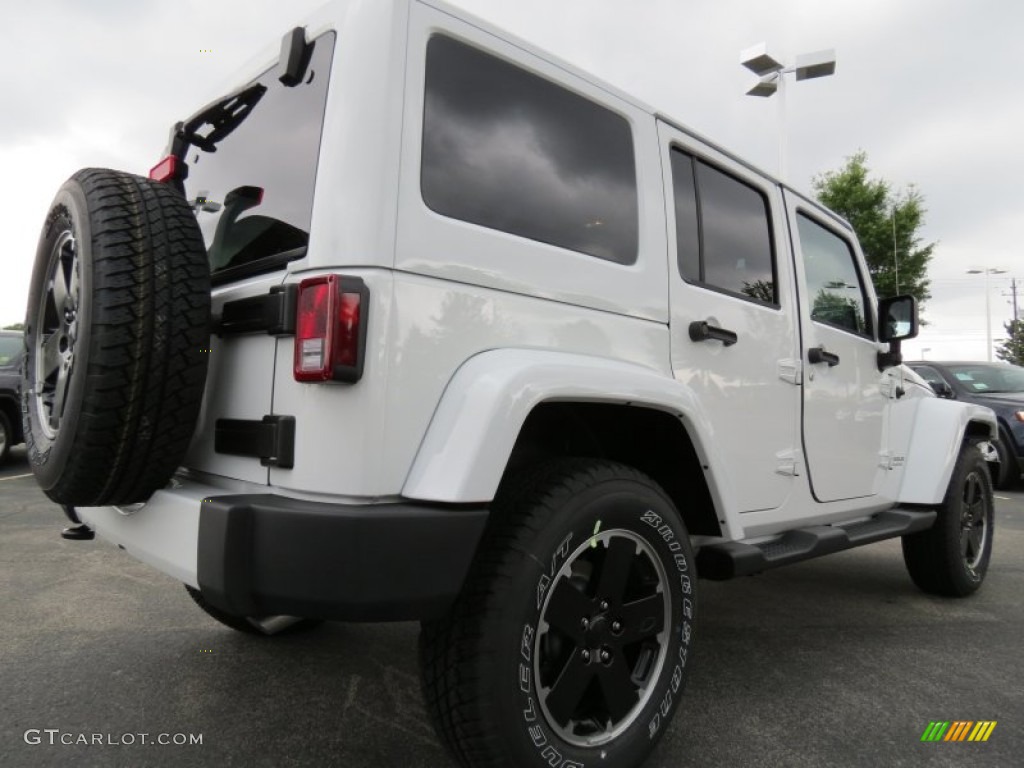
15, 477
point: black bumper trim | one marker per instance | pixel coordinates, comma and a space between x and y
264, 555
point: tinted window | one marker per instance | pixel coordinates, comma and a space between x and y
929, 374
253, 188
687, 232
723, 235
511, 151
834, 287
10, 348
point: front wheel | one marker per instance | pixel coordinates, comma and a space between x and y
951, 558
570, 641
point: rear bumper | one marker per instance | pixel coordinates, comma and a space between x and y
264, 554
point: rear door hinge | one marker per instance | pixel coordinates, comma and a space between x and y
272, 313
791, 371
789, 462
271, 440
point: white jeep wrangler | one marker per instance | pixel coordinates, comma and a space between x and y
423, 323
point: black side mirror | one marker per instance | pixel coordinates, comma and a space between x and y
942, 389
897, 320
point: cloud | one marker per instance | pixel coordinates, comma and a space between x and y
929, 88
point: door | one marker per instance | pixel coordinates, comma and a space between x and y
844, 403
733, 324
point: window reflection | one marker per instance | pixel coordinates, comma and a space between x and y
723, 238
511, 151
834, 287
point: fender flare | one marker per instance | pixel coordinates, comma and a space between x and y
938, 431
482, 410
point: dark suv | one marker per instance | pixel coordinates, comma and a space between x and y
12, 348
997, 385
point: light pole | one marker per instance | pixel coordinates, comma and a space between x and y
988, 304
770, 71
895, 253
924, 351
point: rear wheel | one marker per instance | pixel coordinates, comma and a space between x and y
951, 558
117, 324
569, 643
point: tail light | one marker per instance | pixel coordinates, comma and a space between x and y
330, 328
166, 170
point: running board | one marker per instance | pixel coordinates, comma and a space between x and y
733, 558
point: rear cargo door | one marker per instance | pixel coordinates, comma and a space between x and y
251, 163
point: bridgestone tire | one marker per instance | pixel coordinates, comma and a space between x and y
117, 324
540, 608
951, 558
241, 623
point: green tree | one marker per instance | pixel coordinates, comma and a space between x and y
872, 206
15, 327
1012, 350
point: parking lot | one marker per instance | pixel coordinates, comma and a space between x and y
839, 661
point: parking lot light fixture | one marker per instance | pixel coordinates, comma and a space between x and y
771, 73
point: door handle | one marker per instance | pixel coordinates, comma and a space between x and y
819, 355
700, 330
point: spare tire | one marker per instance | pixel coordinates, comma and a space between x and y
116, 335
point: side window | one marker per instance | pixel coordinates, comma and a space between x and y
723, 234
835, 289
929, 374
509, 150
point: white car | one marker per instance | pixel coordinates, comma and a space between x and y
421, 322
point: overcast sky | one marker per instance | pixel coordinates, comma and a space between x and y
932, 90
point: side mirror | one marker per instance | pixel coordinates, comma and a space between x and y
942, 389
897, 320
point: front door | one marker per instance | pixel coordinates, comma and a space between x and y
844, 403
733, 316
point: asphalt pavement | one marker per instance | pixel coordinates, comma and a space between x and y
839, 662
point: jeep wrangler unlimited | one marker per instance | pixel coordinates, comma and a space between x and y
422, 323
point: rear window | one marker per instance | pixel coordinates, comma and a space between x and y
252, 188
507, 149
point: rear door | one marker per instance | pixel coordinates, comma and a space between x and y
843, 398
252, 160
730, 276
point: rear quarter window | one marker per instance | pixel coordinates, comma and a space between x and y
509, 150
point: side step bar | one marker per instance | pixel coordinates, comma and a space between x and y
719, 562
